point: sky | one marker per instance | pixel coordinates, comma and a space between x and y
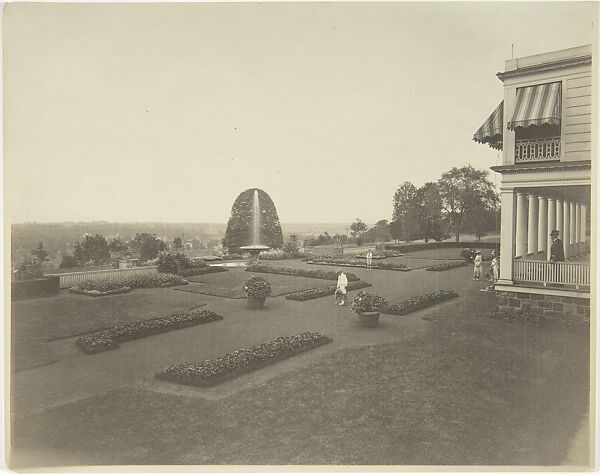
166, 112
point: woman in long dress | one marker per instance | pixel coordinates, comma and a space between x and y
477, 266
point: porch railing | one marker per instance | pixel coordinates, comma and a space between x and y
69, 280
537, 150
552, 273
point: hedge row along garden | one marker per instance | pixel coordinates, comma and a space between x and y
100, 287
332, 261
218, 370
109, 339
446, 266
324, 291
314, 273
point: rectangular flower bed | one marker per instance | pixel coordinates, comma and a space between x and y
236, 363
101, 287
315, 273
418, 302
324, 291
446, 266
110, 338
358, 263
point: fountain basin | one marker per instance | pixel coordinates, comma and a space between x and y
254, 250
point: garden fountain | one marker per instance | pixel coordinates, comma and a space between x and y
255, 249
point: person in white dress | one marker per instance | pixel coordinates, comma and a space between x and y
495, 267
477, 266
369, 259
340, 292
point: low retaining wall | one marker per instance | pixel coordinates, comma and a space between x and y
27, 289
73, 278
549, 306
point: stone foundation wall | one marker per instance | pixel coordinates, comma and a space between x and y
549, 306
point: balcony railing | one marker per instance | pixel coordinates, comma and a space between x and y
537, 150
575, 274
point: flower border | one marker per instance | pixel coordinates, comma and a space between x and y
242, 361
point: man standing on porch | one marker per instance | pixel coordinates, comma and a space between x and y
557, 253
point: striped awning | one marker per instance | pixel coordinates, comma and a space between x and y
537, 105
490, 131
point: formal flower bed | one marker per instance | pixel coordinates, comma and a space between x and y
109, 339
418, 302
279, 255
328, 261
324, 291
211, 372
314, 273
101, 287
446, 266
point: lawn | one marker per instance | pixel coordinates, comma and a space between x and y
464, 389
231, 284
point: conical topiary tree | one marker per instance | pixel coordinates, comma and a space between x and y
240, 227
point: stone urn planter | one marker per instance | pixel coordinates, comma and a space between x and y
368, 319
368, 307
256, 302
257, 290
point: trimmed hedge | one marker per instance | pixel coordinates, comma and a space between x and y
314, 273
440, 245
211, 372
358, 263
109, 339
202, 271
446, 266
324, 291
101, 287
420, 301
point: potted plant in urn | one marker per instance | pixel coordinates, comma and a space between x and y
368, 306
257, 289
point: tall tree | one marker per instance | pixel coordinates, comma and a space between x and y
240, 226
464, 189
92, 249
406, 212
177, 243
358, 228
40, 253
430, 212
147, 245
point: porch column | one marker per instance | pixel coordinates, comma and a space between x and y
572, 228
507, 243
583, 224
551, 224
567, 228
521, 233
577, 228
532, 225
542, 231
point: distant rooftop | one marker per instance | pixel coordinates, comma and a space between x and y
547, 61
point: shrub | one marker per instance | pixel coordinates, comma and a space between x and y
68, 262
211, 372
446, 266
177, 263
30, 269
365, 302
324, 291
257, 287
314, 273
109, 339
418, 302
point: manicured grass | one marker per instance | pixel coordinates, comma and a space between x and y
467, 390
231, 284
